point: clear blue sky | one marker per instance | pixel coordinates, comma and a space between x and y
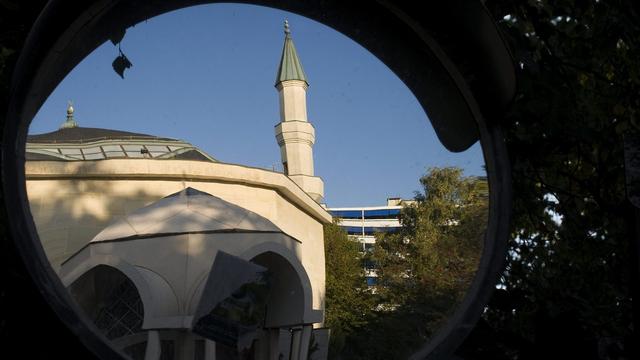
206, 75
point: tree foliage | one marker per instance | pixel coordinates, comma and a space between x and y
565, 291
347, 298
436, 252
424, 269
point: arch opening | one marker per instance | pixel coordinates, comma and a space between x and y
286, 303
111, 300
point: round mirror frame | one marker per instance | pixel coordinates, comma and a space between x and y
55, 45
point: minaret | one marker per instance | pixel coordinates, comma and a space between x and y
294, 133
70, 122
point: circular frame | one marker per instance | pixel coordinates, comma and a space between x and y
64, 34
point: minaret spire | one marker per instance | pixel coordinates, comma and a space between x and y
70, 122
290, 66
295, 135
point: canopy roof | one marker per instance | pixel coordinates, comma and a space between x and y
187, 211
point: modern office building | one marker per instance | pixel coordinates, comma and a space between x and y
362, 223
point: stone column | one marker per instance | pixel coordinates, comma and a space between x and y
209, 350
153, 350
296, 336
305, 339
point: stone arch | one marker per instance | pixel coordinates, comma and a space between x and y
271, 254
286, 305
288, 255
149, 291
111, 300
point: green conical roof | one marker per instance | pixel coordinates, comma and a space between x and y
290, 67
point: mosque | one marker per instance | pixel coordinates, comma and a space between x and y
175, 255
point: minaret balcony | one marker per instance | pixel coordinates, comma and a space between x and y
295, 131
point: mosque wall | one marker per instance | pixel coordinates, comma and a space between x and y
71, 202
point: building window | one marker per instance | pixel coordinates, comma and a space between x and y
111, 300
347, 214
382, 214
123, 312
369, 264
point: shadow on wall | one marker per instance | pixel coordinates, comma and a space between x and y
70, 211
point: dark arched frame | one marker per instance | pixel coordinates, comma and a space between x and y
66, 32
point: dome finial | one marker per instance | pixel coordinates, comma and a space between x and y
287, 31
70, 109
70, 122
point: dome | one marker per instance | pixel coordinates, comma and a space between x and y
81, 143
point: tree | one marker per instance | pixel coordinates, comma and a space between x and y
347, 299
424, 270
565, 292
440, 242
